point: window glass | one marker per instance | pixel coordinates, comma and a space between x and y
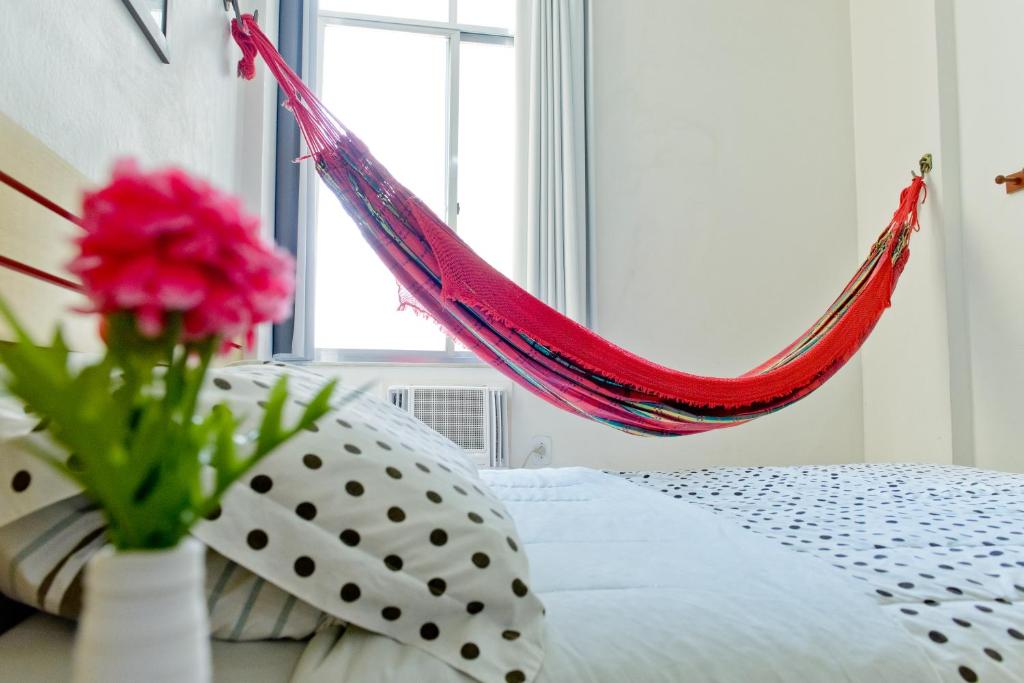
390, 83
429, 10
402, 117
487, 152
493, 13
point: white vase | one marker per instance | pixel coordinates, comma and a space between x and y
144, 617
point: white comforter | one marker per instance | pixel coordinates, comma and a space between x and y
939, 548
641, 588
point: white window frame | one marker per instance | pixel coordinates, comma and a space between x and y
316, 22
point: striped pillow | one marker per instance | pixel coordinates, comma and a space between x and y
43, 554
48, 532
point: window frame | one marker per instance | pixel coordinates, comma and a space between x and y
315, 25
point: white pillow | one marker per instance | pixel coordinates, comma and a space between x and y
27, 483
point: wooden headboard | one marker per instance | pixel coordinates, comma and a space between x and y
35, 242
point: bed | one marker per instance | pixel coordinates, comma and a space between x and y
763, 574
856, 573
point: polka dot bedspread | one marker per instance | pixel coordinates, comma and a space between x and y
940, 548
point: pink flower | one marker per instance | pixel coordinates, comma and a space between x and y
164, 242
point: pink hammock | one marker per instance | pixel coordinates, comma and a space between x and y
547, 353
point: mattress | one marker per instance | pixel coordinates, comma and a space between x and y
725, 575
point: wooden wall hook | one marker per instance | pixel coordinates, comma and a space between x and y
1013, 182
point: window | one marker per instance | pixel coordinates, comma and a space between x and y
429, 85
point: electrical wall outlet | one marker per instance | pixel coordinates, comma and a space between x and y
539, 453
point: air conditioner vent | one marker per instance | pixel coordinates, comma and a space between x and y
474, 418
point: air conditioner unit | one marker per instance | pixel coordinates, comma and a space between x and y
475, 418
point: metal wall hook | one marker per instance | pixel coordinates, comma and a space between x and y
925, 164
232, 5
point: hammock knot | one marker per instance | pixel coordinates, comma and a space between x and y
247, 64
910, 200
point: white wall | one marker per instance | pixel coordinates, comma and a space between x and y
726, 156
991, 113
942, 375
729, 206
725, 202
82, 77
725, 219
908, 413
724, 185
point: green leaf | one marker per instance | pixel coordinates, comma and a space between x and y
224, 458
270, 429
319, 406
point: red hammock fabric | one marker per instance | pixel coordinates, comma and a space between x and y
541, 349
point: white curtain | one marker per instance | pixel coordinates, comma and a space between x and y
557, 235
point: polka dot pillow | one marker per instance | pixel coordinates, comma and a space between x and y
381, 522
369, 517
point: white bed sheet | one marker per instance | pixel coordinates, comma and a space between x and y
39, 651
640, 588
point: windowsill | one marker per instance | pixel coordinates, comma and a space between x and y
391, 358
399, 364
